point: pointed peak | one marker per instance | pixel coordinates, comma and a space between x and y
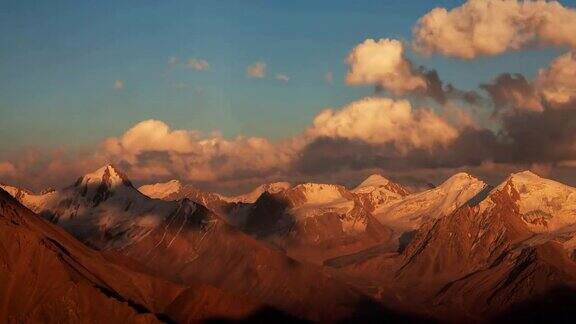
374, 180
459, 181
109, 168
108, 174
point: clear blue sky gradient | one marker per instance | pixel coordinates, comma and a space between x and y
59, 61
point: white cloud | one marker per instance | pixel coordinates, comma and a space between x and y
382, 120
383, 63
491, 27
554, 86
198, 64
151, 147
256, 70
557, 82
282, 77
118, 85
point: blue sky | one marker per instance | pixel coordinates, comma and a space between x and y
59, 61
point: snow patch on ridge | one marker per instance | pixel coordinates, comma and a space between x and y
320, 193
372, 181
103, 209
161, 190
409, 212
545, 205
252, 196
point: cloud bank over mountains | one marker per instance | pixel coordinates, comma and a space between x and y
533, 121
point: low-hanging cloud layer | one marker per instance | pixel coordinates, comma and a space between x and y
533, 122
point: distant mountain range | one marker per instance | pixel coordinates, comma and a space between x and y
461, 251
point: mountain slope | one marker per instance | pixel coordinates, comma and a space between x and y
222, 205
103, 209
478, 262
47, 276
161, 190
545, 205
377, 191
413, 210
252, 196
174, 190
313, 222
190, 245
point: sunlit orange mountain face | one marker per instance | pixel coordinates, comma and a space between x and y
288, 161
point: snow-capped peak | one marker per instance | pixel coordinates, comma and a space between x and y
525, 176
318, 193
412, 210
545, 205
101, 184
252, 196
274, 187
459, 181
529, 183
161, 190
374, 180
108, 175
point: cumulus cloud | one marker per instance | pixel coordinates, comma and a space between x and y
553, 87
537, 118
557, 82
513, 91
379, 120
256, 70
491, 27
282, 77
383, 63
198, 64
118, 85
152, 148
151, 135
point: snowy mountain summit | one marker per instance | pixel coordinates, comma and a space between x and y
545, 205
412, 210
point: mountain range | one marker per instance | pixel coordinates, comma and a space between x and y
170, 252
